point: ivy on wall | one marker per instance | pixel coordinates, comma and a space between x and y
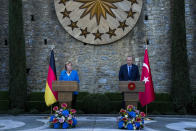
17, 57
180, 91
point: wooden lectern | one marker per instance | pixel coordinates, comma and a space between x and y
65, 90
131, 90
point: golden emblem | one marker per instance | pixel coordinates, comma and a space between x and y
98, 8
98, 21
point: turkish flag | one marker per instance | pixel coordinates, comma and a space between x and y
148, 96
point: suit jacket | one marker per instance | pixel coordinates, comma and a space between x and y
123, 73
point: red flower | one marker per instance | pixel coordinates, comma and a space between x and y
125, 119
73, 111
55, 108
122, 111
70, 122
138, 119
129, 107
142, 114
64, 105
55, 120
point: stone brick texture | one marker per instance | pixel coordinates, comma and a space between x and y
98, 66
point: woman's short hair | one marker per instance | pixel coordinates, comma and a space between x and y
67, 63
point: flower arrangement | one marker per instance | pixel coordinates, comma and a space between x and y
63, 117
131, 119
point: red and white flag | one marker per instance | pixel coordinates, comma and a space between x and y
148, 96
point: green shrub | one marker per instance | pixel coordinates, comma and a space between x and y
95, 103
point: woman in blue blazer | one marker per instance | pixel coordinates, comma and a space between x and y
70, 75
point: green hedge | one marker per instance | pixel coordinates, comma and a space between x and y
162, 105
4, 102
108, 103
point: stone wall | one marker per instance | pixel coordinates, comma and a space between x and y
97, 66
4, 45
158, 31
190, 14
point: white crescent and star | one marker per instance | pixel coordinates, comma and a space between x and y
146, 78
145, 65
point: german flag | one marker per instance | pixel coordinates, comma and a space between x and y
50, 95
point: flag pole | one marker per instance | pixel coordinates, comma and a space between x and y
51, 109
147, 110
52, 47
147, 118
146, 42
50, 112
147, 104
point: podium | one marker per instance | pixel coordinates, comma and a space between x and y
65, 90
131, 90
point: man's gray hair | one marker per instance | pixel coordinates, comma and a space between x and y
130, 56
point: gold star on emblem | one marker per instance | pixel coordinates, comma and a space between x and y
62, 1
122, 25
130, 13
73, 25
84, 32
65, 13
98, 8
133, 2
111, 32
97, 35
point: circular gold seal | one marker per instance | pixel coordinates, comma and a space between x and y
98, 21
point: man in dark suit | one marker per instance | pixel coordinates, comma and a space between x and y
129, 71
